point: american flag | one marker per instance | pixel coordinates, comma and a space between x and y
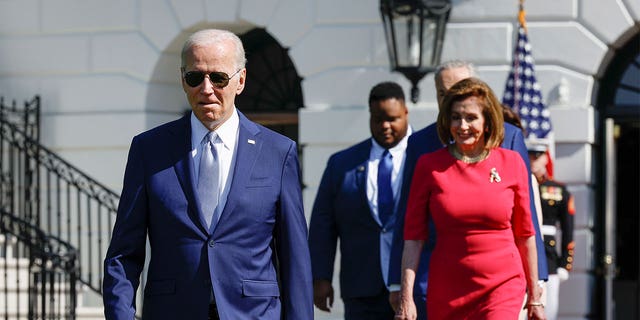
522, 92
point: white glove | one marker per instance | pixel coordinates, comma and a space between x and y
563, 274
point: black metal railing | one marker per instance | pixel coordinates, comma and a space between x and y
41, 188
38, 272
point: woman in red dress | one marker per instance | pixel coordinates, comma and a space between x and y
477, 195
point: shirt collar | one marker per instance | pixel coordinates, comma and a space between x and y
227, 131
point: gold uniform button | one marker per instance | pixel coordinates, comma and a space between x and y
552, 243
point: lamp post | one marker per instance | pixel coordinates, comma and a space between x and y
414, 30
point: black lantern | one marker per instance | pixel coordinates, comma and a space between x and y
414, 30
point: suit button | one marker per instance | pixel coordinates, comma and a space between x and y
211, 243
384, 230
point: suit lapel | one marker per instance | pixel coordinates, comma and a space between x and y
362, 174
185, 172
247, 151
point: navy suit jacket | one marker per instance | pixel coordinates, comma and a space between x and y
259, 240
341, 210
425, 141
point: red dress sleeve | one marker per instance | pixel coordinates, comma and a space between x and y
521, 221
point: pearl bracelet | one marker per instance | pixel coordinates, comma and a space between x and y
535, 304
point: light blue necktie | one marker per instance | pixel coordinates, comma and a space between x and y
385, 192
209, 178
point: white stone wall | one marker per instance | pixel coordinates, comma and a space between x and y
108, 69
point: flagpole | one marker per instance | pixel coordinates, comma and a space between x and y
551, 150
522, 22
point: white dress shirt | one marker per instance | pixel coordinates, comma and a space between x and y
398, 155
225, 147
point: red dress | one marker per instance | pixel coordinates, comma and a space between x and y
475, 270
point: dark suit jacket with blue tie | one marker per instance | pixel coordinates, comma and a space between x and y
425, 141
261, 228
341, 210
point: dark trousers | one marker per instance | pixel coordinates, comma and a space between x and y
368, 308
213, 312
421, 306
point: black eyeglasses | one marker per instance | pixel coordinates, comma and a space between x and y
218, 79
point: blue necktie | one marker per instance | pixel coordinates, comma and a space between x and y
385, 192
209, 178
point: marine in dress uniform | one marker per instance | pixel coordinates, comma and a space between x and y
557, 209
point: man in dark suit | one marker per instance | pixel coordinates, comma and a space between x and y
356, 203
219, 198
425, 141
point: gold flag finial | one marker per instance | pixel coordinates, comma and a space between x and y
521, 16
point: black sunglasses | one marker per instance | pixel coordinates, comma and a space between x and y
218, 79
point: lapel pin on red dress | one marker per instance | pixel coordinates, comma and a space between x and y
494, 176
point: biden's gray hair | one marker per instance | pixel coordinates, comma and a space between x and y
209, 36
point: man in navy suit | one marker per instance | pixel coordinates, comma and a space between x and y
425, 141
235, 250
350, 206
